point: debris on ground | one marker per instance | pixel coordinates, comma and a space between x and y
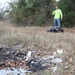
14, 61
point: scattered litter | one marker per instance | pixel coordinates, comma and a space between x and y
28, 55
60, 51
56, 60
22, 70
26, 61
6, 71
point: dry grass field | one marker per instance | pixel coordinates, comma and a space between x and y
37, 38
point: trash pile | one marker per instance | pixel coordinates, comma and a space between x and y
55, 30
19, 62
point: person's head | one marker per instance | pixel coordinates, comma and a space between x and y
56, 7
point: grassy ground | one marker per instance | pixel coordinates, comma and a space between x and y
37, 38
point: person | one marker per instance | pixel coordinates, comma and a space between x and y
57, 13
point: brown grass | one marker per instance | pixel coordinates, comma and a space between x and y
38, 38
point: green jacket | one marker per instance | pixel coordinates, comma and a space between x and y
57, 14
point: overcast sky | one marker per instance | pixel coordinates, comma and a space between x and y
4, 1
57, 0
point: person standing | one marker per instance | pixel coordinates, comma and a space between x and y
57, 18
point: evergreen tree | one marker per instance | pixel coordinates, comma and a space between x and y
30, 11
68, 8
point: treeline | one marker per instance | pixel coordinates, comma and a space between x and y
39, 12
1, 12
68, 8
30, 12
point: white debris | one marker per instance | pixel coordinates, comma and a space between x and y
54, 53
60, 51
24, 71
48, 57
6, 71
54, 69
51, 57
56, 60
15, 71
28, 55
32, 62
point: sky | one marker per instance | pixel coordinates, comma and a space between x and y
3, 3
57, 0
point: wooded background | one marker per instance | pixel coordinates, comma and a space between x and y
39, 12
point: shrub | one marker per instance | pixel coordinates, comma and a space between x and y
40, 20
25, 11
67, 6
